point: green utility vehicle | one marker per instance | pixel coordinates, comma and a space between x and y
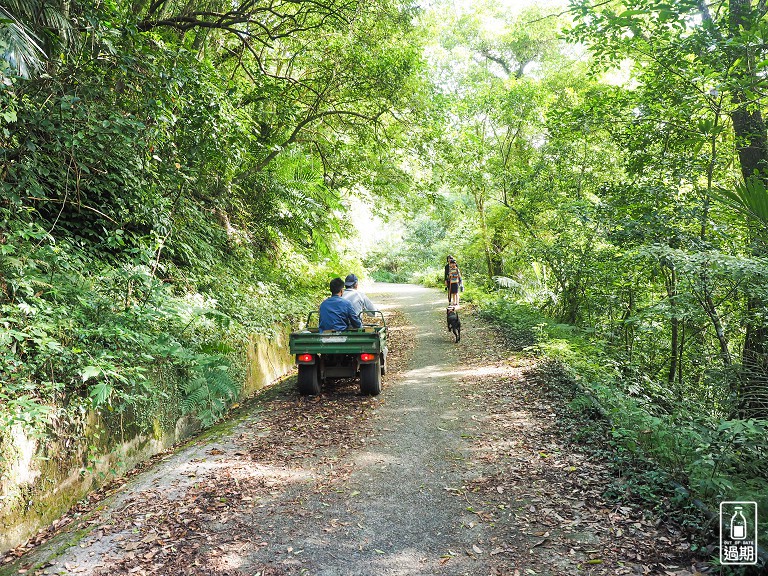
324, 356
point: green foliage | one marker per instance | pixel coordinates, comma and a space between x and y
522, 325
166, 191
81, 332
385, 276
209, 388
600, 200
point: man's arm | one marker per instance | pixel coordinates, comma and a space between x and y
353, 319
368, 305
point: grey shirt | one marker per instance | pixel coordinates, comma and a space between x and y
358, 300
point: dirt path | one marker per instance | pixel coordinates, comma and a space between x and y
457, 468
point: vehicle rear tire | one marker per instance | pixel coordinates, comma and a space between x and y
309, 381
370, 379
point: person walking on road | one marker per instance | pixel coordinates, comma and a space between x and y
445, 276
453, 282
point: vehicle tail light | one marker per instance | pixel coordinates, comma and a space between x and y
367, 357
304, 358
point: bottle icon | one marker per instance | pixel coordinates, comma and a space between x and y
738, 525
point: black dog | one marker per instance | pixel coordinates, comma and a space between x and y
454, 324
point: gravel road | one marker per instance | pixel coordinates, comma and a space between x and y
403, 518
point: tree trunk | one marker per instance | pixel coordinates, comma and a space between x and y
670, 281
497, 262
629, 331
706, 286
480, 205
752, 146
748, 123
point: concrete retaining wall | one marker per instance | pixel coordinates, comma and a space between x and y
40, 482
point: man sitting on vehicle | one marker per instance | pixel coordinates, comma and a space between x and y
355, 297
336, 313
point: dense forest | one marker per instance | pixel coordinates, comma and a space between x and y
177, 176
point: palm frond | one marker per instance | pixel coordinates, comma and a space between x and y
749, 198
58, 21
20, 46
24, 9
24, 25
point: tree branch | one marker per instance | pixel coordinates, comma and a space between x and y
307, 121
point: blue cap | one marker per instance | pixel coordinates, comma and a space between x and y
350, 281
